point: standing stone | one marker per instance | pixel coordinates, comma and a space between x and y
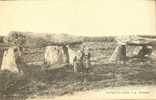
1, 56
123, 53
75, 64
53, 55
66, 54
9, 61
119, 54
115, 56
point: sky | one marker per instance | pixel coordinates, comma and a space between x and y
79, 17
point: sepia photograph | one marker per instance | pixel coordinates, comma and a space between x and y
77, 49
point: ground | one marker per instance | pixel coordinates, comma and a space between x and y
123, 92
58, 82
41, 80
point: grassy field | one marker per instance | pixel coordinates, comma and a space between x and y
41, 80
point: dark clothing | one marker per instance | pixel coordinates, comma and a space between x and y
86, 61
77, 64
81, 62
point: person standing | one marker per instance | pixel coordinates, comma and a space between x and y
87, 63
78, 62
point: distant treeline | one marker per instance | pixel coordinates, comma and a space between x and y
28, 39
100, 39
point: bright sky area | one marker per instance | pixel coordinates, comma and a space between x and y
79, 17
